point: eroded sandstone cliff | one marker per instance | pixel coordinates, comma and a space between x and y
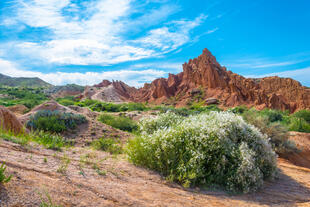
205, 77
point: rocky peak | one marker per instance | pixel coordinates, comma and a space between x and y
104, 83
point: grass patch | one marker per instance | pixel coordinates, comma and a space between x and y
46, 139
65, 161
4, 178
107, 144
119, 122
47, 201
66, 101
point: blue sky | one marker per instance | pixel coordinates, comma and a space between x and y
83, 42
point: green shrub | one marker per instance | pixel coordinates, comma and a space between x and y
119, 122
209, 108
55, 121
3, 177
278, 134
303, 114
298, 124
239, 109
107, 144
273, 115
213, 149
66, 101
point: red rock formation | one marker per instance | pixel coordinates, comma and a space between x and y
104, 83
231, 89
9, 122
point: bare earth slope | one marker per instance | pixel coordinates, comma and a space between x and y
125, 184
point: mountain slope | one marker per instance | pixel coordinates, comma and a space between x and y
65, 90
28, 82
204, 78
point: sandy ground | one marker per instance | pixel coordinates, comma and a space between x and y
95, 178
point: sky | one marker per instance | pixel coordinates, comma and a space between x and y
136, 41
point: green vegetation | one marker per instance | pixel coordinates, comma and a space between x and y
111, 107
30, 97
209, 149
297, 124
55, 121
48, 140
119, 122
3, 177
303, 114
299, 121
277, 133
107, 144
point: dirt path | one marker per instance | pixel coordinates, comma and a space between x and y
36, 170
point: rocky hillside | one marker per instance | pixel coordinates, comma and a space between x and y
116, 91
204, 79
28, 82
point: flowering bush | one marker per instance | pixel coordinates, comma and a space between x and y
218, 148
165, 120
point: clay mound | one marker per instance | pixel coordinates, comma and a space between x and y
18, 109
206, 76
9, 121
301, 158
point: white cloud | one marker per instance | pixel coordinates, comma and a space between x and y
130, 77
172, 36
95, 32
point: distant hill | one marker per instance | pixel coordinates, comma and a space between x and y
27, 82
66, 90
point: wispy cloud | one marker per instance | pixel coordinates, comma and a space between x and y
132, 77
259, 63
95, 32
